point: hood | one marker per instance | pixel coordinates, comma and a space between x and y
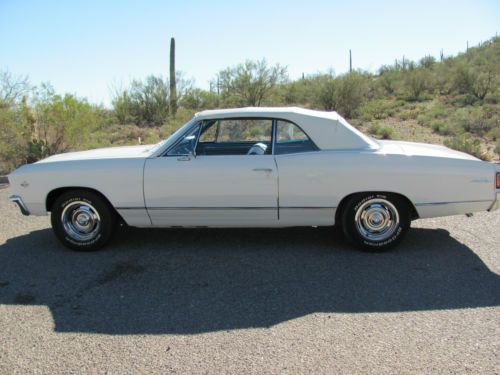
142, 151
422, 149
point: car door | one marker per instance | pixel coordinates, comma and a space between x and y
305, 189
214, 176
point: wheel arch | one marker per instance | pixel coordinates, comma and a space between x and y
55, 193
344, 200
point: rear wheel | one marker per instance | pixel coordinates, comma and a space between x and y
375, 222
82, 220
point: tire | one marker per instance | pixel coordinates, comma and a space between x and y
82, 220
375, 222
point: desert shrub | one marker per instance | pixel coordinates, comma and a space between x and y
416, 83
379, 109
373, 129
408, 114
250, 83
385, 132
474, 120
62, 122
477, 79
494, 134
195, 98
382, 132
435, 112
467, 145
15, 136
442, 127
349, 93
389, 81
343, 94
464, 100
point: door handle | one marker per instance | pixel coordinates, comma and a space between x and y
268, 170
184, 158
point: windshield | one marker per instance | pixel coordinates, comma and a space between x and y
170, 140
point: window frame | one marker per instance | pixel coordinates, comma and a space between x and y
274, 121
197, 124
275, 127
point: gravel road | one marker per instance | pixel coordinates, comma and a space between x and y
250, 301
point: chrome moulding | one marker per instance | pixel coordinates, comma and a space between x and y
19, 201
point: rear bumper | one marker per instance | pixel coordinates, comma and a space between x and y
496, 203
19, 201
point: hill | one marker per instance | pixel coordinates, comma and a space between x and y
452, 100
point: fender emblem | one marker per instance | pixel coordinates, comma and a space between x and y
24, 184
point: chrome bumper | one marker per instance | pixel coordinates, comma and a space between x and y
19, 201
496, 203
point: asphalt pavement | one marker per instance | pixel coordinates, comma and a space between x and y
250, 301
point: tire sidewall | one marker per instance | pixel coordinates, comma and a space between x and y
351, 231
105, 214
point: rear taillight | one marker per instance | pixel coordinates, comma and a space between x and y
498, 180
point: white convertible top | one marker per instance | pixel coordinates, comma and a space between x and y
328, 130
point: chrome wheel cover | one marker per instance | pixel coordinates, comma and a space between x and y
81, 221
376, 219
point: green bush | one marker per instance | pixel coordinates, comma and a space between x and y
475, 120
379, 109
416, 83
467, 145
382, 132
385, 133
494, 134
373, 129
408, 114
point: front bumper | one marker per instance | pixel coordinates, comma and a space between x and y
19, 201
496, 203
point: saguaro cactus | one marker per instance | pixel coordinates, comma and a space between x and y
350, 62
173, 86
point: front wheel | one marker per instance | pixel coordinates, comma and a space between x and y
375, 222
82, 220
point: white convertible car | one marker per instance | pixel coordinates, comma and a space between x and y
256, 167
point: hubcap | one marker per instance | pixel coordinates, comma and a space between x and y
377, 219
81, 221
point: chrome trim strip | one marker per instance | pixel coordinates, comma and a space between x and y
308, 208
19, 201
225, 208
453, 202
210, 208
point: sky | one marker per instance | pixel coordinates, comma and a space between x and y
89, 47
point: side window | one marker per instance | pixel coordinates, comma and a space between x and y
186, 145
236, 137
291, 139
208, 133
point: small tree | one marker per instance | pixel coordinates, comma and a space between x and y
250, 83
326, 95
350, 93
343, 94
416, 83
12, 89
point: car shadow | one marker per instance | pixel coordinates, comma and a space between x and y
188, 281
